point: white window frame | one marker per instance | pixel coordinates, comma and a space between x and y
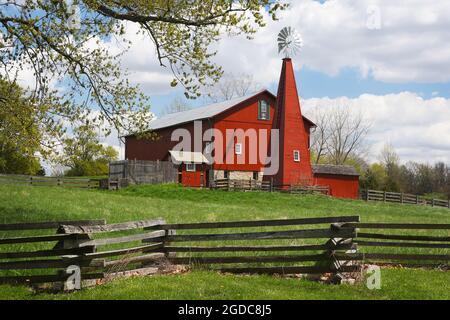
267, 111
297, 155
191, 167
238, 148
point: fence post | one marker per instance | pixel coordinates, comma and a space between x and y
367, 194
333, 244
271, 184
72, 243
401, 197
384, 196
417, 199
432, 202
31, 180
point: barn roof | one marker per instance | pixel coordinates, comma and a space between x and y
204, 112
334, 169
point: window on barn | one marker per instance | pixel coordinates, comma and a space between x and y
263, 110
255, 175
238, 148
226, 175
296, 156
190, 167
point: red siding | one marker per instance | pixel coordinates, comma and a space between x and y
293, 132
194, 179
340, 186
158, 149
244, 116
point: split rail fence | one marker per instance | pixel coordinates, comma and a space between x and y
395, 197
65, 182
325, 245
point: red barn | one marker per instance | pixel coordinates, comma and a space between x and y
259, 136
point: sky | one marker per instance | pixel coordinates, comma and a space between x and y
389, 59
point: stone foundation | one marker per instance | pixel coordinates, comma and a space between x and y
236, 175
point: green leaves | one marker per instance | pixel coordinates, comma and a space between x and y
75, 71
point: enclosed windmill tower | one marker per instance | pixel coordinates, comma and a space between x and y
294, 156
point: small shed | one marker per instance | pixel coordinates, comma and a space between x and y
343, 181
193, 168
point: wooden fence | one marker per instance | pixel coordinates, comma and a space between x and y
323, 245
103, 251
395, 197
242, 185
268, 186
143, 172
429, 249
66, 182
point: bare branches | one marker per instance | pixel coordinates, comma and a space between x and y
340, 133
75, 72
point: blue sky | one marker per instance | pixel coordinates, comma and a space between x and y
388, 59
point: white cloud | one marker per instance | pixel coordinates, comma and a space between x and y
419, 129
411, 45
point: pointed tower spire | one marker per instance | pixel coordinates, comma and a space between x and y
294, 162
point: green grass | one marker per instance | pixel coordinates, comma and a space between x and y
176, 204
396, 284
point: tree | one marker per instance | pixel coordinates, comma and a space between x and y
231, 86
85, 155
390, 160
321, 134
20, 133
340, 134
64, 41
176, 105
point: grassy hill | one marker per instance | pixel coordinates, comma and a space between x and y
176, 204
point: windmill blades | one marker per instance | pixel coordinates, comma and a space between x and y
289, 42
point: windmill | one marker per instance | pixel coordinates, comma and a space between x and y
289, 42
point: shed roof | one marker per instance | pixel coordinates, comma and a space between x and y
188, 157
334, 169
204, 112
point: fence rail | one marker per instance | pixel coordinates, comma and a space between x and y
316, 245
396, 197
143, 171
66, 182
268, 186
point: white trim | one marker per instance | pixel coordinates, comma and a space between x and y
297, 155
238, 148
193, 169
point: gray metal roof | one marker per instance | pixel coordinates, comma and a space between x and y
334, 169
204, 112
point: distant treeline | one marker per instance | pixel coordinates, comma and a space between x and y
413, 177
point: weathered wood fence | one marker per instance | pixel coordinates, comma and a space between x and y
66, 182
93, 246
268, 186
395, 197
143, 172
242, 185
324, 245
429, 243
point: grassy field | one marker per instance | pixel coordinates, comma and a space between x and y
175, 204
